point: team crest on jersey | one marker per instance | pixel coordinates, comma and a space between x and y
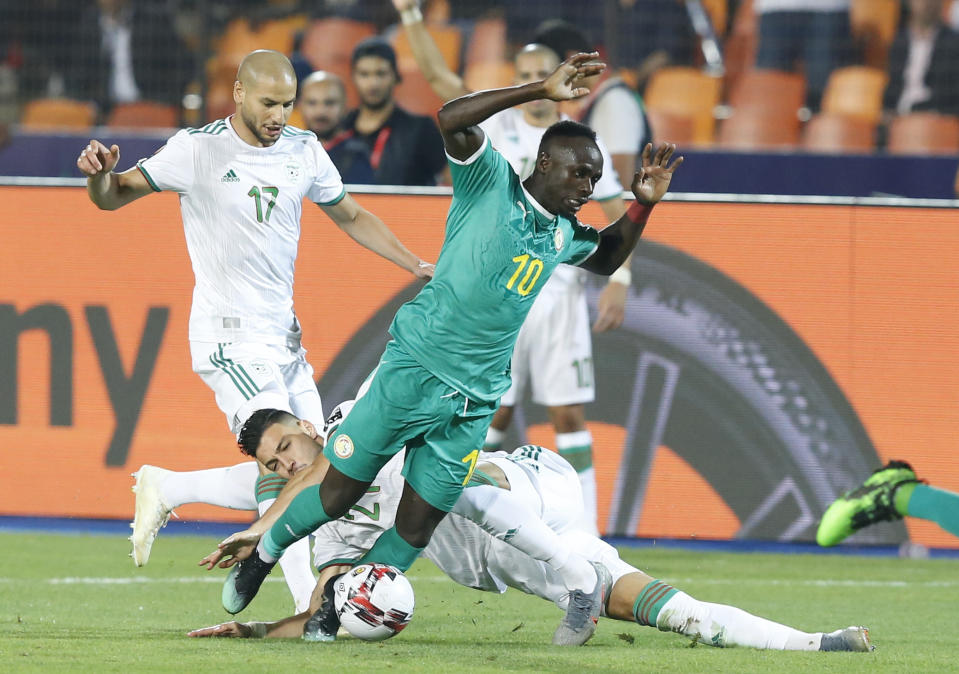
260, 367
293, 172
558, 239
343, 447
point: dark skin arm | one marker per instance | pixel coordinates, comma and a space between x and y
458, 119
650, 184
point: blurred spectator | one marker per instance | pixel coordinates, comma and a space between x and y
405, 149
924, 63
37, 38
815, 32
630, 32
126, 51
322, 103
613, 108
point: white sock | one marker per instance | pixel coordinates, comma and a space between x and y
577, 448
724, 626
507, 516
494, 440
232, 487
296, 565
587, 480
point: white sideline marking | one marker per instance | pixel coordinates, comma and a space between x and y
140, 580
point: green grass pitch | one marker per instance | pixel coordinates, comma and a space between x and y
76, 603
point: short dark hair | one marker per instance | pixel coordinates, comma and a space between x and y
562, 37
566, 128
375, 46
252, 431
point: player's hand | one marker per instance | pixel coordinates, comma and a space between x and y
96, 159
232, 549
566, 82
652, 181
612, 307
425, 270
230, 629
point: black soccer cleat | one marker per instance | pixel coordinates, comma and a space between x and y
324, 623
244, 582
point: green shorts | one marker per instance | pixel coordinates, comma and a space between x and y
406, 405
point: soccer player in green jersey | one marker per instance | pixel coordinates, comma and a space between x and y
440, 379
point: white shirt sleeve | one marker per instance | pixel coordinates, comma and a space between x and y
619, 120
608, 186
171, 167
327, 188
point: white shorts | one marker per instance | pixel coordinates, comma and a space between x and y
554, 350
246, 377
546, 481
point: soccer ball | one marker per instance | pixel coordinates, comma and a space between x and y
373, 601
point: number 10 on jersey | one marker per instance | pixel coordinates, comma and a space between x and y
533, 269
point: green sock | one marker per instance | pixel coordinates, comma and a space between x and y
301, 517
937, 505
390, 548
651, 601
577, 448
268, 487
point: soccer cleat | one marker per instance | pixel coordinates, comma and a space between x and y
324, 623
583, 610
850, 639
873, 501
244, 582
151, 513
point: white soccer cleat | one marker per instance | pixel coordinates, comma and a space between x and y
151, 512
853, 638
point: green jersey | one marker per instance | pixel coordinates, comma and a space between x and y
500, 248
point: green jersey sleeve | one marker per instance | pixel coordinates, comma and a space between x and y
485, 171
585, 243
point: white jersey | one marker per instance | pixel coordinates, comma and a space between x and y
241, 208
459, 547
518, 141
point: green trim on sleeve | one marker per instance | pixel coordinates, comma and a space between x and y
335, 562
147, 176
334, 202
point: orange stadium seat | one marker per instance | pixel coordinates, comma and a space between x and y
488, 75
874, 24
924, 133
415, 95
686, 92
760, 128
328, 43
766, 89
448, 41
855, 91
143, 114
834, 134
58, 113
241, 37
488, 42
669, 128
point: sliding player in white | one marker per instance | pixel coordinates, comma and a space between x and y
241, 182
470, 545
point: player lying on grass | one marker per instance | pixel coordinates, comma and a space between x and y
546, 483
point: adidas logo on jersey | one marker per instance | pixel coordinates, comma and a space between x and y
230, 177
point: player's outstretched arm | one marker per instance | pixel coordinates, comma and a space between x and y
458, 119
240, 546
372, 233
447, 84
106, 189
650, 184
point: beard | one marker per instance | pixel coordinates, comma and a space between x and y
255, 130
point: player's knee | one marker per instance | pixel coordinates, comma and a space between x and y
568, 418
